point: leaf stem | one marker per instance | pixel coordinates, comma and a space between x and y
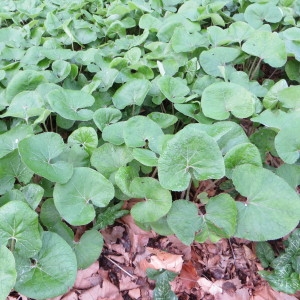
254, 70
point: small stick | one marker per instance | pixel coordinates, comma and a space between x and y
119, 267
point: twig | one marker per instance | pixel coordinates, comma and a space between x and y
119, 266
233, 255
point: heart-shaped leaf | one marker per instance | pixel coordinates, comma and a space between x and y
105, 116
158, 200
82, 195
269, 199
38, 152
85, 137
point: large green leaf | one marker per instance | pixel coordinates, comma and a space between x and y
8, 273
70, 104
189, 155
184, 220
158, 200
272, 208
49, 273
19, 228
132, 92
38, 152
268, 47
219, 99
82, 195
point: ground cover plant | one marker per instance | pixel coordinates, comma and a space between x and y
102, 102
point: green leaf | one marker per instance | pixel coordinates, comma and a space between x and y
219, 99
50, 273
11, 169
33, 194
61, 69
38, 152
9, 140
241, 154
216, 61
82, 196
239, 31
132, 92
123, 177
145, 157
70, 104
184, 220
220, 219
274, 54
85, 137
269, 199
174, 88
107, 78
20, 228
158, 200
27, 80
114, 133
163, 120
272, 97
106, 116
109, 158
189, 155
140, 131
265, 253
288, 97
290, 173
8, 273
88, 249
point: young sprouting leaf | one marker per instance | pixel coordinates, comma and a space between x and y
82, 195
38, 152
163, 120
241, 154
140, 131
219, 99
290, 173
220, 219
26, 80
109, 158
174, 88
8, 273
162, 289
70, 104
51, 218
189, 155
106, 116
269, 199
275, 54
53, 267
85, 137
132, 92
33, 194
11, 169
9, 140
265, 253
184, 221
216, 61
145, 157
158, 200
19, 228
88, 248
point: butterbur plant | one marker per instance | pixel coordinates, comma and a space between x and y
105, 101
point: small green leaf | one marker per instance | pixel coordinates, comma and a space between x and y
189, 155
145, 157
54, 269
123, 177
61, 69
88, 249
158, 200
163, 120
8, 273
38, 152
82, 195
106, 116
272, 97
33, 194
70, 104
20, 228
114, 133
290, 173
269, 199
85, 137
219, 99
265, 253
184, 220
132, 92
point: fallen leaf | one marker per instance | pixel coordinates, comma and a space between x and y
88, 277
70, 296
210, 287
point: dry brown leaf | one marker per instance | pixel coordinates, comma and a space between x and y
111, 235
174, 245
188, 275
210, 287
87, 278
70, 296
241, 294
128, 283
249, 253
135, 293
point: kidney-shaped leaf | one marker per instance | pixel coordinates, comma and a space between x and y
50, 273
272, 209
158, 200
184, 220
69, 103
20, 228
221, 98
86, 137
189, 155
8, 273
75, 199
38, 152
267, 46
